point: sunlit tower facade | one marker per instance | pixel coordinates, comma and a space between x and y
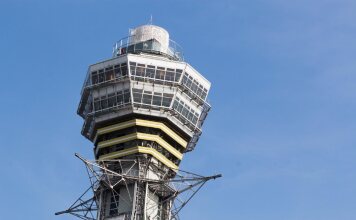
143, 109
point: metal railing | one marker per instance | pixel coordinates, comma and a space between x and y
128, 45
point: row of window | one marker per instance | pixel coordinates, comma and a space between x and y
149, 100
185, 111
194, 86
159, 75
109, 73
149, 73
149, 46
152, 98
111, 100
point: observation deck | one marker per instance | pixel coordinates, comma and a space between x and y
149, 39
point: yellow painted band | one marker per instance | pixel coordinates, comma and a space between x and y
140, 149
145, 123
143, 136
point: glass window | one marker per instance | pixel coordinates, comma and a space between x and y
109, 74
180, 107
200, 91
124, 69
194, 120
139, 46
175, 104
166, 101
126, 96
190, 116
185, 79
117, 72
160, 73
119, 98
178, 75
133, 70
185, 112
189, 82
140, 71
137, 97
157, 100
101, 76
111, 100
146, 99
203, 95
96, 104
169, 76
150, 72
194, 87
104, 102
94, 78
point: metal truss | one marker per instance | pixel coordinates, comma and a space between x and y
176, 189
83, 208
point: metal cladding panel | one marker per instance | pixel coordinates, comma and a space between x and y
105, 63
125, 195
156, 61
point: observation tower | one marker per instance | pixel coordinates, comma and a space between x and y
143, 109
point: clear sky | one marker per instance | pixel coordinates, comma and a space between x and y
281, 131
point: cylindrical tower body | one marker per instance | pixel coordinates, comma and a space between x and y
142, 109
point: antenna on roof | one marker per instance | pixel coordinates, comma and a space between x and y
151, 20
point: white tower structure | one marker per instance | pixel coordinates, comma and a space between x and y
143, 109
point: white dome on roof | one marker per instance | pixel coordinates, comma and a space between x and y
150, 32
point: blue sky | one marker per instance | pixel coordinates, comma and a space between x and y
282, 127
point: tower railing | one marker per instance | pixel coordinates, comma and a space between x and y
127, 45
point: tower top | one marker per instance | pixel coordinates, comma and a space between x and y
150, 39
150, 32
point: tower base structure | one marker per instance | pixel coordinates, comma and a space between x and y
134, 189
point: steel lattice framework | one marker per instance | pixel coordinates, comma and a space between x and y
177, 191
